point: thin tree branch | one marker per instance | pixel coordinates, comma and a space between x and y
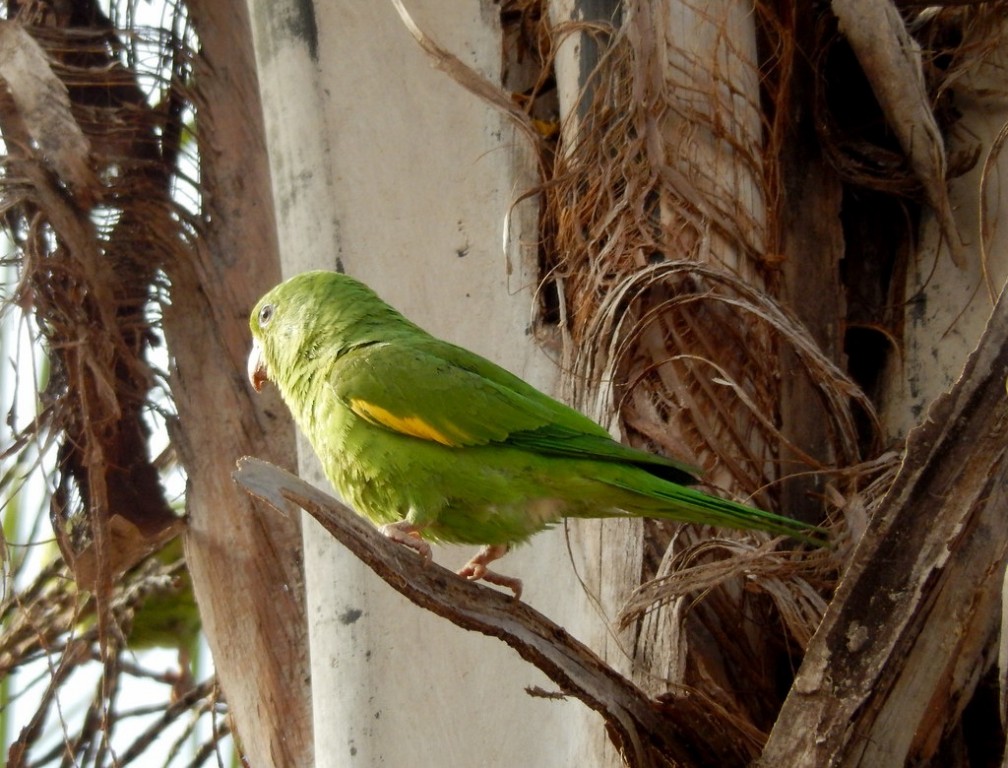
646, 732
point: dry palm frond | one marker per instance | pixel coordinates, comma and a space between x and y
89, 266
693, 570
50, 641
661, 223
795, 582
708, 321
95, 203
662, 268
659, 234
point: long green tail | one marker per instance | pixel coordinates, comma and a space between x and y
692, 506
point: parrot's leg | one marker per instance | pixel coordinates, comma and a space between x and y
476, 569
407, 534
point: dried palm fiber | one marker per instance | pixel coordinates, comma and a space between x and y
90, 237
93, 132
90, 269
658, 215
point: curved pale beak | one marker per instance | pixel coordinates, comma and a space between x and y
257, 367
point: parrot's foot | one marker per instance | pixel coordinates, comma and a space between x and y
408, 535
476, 569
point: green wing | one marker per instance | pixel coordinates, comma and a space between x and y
433, 390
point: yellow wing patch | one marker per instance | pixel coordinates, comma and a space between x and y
408, 425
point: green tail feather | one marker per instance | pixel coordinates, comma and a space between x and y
693, 506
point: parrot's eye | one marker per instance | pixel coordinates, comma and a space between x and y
265, 315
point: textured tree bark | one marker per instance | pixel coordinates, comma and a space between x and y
903, 642
246, 568
811, 242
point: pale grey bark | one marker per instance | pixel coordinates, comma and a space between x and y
384, 167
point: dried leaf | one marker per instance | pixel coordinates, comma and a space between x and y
42, 100
127, 545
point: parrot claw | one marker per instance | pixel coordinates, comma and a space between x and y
408, 535
476, 569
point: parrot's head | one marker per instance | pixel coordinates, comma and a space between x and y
272, 330
312, 318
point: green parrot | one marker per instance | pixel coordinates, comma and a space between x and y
432, 442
